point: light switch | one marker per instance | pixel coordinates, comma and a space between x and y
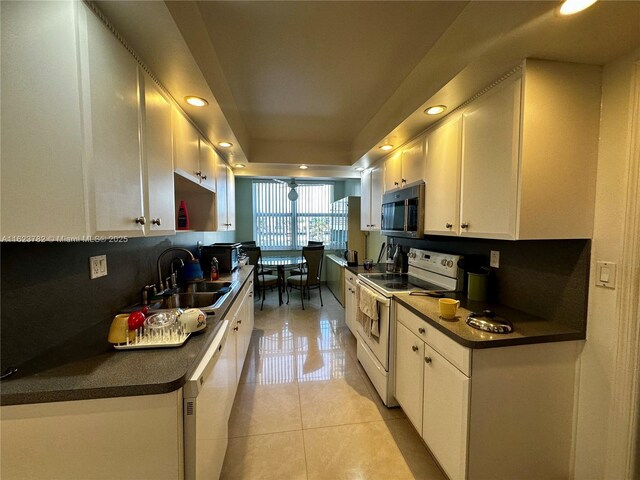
606, 274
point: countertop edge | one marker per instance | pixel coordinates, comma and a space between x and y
503, 342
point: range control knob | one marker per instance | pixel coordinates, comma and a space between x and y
444, 262
450, 263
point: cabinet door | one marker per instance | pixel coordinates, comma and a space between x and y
446, 413
376, 197
186, 147
221, 197
208, 160
231, 199
413, 162
365, 200
409, 359
111, 106
490, 142
393, 171
42, 138
442, 193
350, 306
158, 154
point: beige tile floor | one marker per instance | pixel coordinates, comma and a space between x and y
305, 409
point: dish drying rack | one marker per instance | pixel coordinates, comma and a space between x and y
146, 337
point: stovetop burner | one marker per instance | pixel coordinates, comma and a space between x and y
396, 285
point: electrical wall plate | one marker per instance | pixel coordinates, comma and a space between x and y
98, 266
494, 261
606, 274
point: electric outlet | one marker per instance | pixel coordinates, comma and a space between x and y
495, 259
98, 266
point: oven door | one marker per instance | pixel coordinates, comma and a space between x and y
379, 346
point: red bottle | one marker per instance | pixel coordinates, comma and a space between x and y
214, 269
183, 216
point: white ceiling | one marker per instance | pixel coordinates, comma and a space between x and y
325, 82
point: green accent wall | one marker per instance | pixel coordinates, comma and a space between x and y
244, 209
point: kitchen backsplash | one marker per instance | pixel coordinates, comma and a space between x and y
546, 278
47, 296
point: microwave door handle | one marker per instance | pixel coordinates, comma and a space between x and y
406, 214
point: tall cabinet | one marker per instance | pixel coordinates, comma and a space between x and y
345, 228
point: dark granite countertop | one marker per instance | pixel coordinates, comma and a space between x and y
528, 329
88, 367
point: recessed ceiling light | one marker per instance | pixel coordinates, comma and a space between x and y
435, 110
196, 101
238, 165
225, 144
303, 167
359, 169
569, 7
386, 147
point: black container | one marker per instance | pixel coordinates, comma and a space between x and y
225, 253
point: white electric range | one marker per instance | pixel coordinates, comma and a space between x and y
430, 272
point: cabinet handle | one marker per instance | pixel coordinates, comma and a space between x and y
157, 221
448, 225
239, 322
464, 225
141, 220
414, 348
198, 173
235, 328
372, 225
203, 177
421, 330
427, 359
396, 183
404, 180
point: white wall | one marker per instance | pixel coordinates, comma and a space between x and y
598, 360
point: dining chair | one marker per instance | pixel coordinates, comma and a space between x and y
302, 269
311, 279
261, 279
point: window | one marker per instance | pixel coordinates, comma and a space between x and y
279, 223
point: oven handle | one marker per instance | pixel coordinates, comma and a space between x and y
379, 298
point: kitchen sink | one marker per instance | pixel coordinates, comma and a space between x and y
207, 296
192, 300
207, 287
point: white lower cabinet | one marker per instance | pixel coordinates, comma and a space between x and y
489, 413
409, 357
445, 412
125, 438
350, 303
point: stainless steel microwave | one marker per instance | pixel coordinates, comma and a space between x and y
403, 212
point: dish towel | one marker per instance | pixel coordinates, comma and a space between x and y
368, 305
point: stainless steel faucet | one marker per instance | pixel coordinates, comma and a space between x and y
171, 249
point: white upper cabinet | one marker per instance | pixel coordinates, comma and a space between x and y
186, 147
442, 193
393, 171
405, 165
208, 161
490, 164
527, 154
111, 108
158, 156
371, 185
225, 198
42, 148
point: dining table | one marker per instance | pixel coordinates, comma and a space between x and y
282, 264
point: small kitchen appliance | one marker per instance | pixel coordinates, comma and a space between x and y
351, 256
227, 255
403, 212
